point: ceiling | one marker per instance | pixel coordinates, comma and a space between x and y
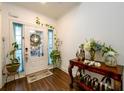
53, 10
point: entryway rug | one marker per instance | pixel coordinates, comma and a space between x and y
38, 75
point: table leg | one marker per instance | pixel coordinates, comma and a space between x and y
71, 76
117, 85
6, 78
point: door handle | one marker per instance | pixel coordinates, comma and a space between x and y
26, 54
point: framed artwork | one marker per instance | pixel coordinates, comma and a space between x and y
36, 44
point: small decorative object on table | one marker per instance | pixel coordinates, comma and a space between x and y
77, 56
81, 55
82, 52
92, 63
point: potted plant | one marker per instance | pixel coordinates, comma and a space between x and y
55, 54
14, 65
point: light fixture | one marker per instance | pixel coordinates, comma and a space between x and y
43, 3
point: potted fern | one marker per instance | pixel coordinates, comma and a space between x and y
14, 65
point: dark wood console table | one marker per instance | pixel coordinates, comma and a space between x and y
113, 72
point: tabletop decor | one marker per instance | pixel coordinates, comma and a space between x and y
92, 46
92, 63
110, 55
81, 53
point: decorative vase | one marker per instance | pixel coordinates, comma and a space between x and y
110, 60
92, 55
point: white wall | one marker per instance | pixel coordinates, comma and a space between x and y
101, 21
27, 18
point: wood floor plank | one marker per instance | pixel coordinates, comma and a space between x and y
59, 81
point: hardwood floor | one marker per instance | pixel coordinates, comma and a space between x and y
59, 81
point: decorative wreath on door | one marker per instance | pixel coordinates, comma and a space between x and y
35, 40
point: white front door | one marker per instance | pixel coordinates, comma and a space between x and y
35, 40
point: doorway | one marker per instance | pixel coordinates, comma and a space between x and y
36, 43
34, 39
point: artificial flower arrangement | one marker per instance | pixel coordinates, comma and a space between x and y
93, 46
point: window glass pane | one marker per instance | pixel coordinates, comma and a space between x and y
18, 38
50, 36
18, 30
18, 51
50, 39
20, 46
50, 45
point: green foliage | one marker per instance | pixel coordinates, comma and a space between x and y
55, 55
11, 54
94, 46
56, 43
81, 46
38, 20
106, 49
